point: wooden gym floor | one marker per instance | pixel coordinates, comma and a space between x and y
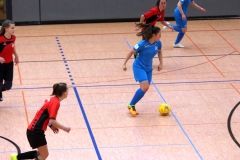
200, 82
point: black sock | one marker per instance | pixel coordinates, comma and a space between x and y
27, 155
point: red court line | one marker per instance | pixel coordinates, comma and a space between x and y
23, 96
235, 88
205, 55
231, 46
223, 38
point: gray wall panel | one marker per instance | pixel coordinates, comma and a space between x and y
64, 10
25, 10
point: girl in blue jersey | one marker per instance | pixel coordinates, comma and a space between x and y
142, 66
181, 19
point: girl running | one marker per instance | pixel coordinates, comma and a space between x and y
142, 66
7, 49
45, 116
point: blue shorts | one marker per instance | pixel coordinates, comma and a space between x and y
178, 18
141, 75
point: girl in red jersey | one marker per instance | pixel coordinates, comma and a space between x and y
7, 49
153, 15
45, 116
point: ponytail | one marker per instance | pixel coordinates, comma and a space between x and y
148, 30
59, 89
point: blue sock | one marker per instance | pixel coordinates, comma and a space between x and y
179, 38
176, 28
138, 95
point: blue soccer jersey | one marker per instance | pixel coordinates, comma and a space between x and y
185, 4
146, 51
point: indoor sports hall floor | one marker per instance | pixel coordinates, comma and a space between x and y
200, 82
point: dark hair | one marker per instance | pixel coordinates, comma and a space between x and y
148, 30
59, 89
158, 1
5, 25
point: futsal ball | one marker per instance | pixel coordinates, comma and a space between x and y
164, 109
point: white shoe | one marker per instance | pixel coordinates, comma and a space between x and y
178, 45
165, 27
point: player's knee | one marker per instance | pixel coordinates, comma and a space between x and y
145, 88
43, 156
184, 30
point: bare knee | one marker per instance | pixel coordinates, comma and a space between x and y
43, 152
184, 30
144, 86
43, 156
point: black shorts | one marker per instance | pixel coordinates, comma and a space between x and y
6, 71
36, 140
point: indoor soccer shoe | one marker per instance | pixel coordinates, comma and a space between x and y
178, 45
132, 110
165, 27
13, 156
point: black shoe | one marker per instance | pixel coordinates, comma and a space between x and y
1, 96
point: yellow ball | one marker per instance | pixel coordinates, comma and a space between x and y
164, 109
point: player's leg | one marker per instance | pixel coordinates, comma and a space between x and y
182, 24
43, 152
141, 76
26, 155
6, 78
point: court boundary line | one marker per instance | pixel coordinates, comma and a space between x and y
79, 100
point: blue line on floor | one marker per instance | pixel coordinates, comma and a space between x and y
79, 100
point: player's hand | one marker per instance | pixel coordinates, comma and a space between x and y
67, 129
2, 60
159, 67
137, 28
184, 17
16, 60
171, 28
124, 67
55, 129
203, 10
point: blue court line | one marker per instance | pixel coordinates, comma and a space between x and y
173, 114
178, 122
79, 100
131, 84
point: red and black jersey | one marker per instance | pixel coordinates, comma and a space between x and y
7, 48
48, 111
153, 15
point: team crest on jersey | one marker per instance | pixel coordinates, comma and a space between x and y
136, 46
13, 45
156, 48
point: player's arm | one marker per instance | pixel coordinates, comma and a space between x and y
160, 60
129, 55
198, 7
16, 56
179, 5
165, 24
56, 124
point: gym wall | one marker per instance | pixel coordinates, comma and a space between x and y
83, 10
